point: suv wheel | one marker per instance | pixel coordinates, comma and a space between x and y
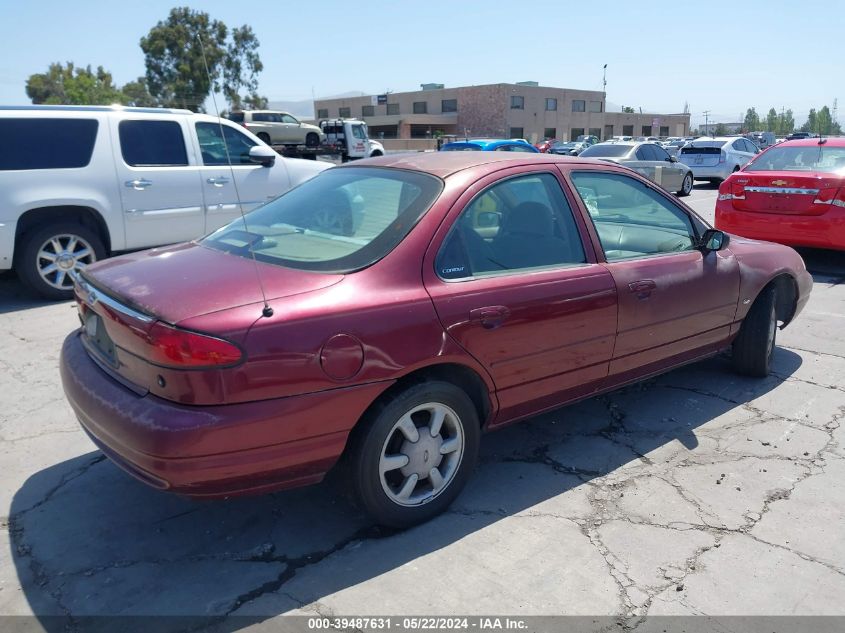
47, 256
312, 139
415, 454
264, 137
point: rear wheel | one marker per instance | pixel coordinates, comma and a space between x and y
47, 256
415, 454
312, 139
754, 346
264, 137
686, 186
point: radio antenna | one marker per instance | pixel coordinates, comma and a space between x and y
266, 311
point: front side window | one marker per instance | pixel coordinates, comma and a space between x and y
517, 102
152, 144
340, 221
213, 149
36, 143
286, 118
579, 105
521, 223
631, 219
358, 131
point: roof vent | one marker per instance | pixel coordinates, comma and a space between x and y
531, 84
432, 86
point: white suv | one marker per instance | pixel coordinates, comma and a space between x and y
78, 183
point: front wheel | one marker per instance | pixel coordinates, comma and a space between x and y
754, 346
686, 186
415, 454
312, 139
264, 137
48, 255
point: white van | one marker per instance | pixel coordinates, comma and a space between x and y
78, 183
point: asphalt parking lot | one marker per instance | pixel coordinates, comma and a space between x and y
698, 492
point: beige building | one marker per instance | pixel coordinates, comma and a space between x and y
521, 110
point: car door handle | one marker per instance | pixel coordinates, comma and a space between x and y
217, 182
139, 183
490, 317
642, 288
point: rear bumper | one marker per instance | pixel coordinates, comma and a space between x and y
700, 172
156, 441
815, 231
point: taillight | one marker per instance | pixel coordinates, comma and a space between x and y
832, 197
723, 156
731, 190
174, 347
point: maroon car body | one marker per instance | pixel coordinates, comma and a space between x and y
280, 414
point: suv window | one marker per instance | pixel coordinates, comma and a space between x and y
213, 150
237, 117
152, 144
46, 143
286, 118
631, 219
519, 224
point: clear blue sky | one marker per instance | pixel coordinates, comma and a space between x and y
717, 55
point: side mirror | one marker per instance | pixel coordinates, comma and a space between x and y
673, 159
714, 240
487, 219
263, 155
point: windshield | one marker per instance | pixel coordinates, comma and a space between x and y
342, 220
601, 149
801, 158
460, 147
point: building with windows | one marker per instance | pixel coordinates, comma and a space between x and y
521, 110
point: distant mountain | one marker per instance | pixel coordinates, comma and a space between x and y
305, 108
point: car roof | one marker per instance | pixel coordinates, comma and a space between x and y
444, 164
831, 141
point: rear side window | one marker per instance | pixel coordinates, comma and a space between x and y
39, 143
152, 144
237, 117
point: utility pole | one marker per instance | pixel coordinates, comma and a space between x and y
706, 114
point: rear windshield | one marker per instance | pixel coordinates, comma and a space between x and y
689, 149
605, 150
340, 221
801, 158
237, 117
461, 147
38, 143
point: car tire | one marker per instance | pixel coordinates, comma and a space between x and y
400, 429
45, 256
375, 154
754, 346
686, 185
264, 137
312, 139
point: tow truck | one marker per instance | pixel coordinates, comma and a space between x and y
345, 138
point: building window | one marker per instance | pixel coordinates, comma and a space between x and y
517, 132
368, 110
575, 132
449, 105
549, 132
664, 130
595, 106
344, 113
646, 130
323, 113
551, 104
595, 131
627, 130
393, 108
420, 107
608, 132
517, 102
579, 105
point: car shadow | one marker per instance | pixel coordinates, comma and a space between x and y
705, 185
99, 543
826, 266
14, 296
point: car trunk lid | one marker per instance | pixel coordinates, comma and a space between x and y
807, 193
701, 155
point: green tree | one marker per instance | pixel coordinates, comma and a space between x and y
824, 122
628, 109
137, 94
810, 125
178, 74
786, 123
751, 123
68, 85
772, 121
721, 129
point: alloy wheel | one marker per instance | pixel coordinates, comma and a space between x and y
61, 254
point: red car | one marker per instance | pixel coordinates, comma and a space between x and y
793, 193
412, 302
545, 144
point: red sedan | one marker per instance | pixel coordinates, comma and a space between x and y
793, 193
412, 302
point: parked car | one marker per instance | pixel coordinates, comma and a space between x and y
568, 148
473, 295
488, 145
673, 146
649, 159
543, 146
799, 135
793, 193
716, 158
279, 128
588, 139
78, 183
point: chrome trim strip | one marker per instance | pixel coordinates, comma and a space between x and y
784, 190
91, 296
